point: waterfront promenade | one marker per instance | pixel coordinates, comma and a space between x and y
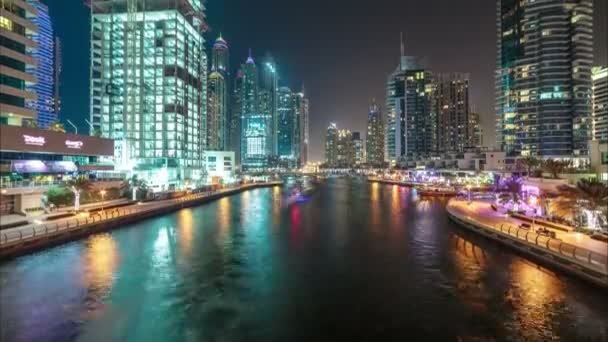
15, 241
573, 252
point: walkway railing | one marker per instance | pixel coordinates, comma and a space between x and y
21, 235
575, 254
29, 184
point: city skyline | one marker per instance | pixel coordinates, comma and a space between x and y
337, 90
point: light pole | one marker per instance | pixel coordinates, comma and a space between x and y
103, 195
533, 202
469, 190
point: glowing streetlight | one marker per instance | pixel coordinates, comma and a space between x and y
533, 202
103, 195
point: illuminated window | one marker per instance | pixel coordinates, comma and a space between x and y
5, 23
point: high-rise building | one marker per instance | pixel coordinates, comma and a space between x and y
475, 130
410, 121
218, 116
359, 149
288, 127
16, 46
44, 70
217, 112
600, 104
375, 136
345, 157
303, 120
236, 117
57, 69
331, 146
254, 125
149, 86
543, 81
268, 102
451, 96
220, 56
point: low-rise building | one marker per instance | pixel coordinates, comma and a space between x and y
219, 166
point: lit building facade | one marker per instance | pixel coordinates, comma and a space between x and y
451, 96
149, 86
218, 115
302, 107
254, 125
45, 103
358, 149
287, 127
543, 85
267, 104
236, 110
410, 121
345, 157
17, 64
600, 104
375, 137
331, 146
475, 130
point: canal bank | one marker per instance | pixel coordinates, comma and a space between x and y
590, 264
19, 241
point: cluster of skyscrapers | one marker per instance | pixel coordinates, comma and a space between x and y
550, 100
30, 65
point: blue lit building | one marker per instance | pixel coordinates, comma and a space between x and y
44, 54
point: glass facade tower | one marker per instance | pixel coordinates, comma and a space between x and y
254, 125
149, 86
545, 53
44, 54
375, 136
16, 46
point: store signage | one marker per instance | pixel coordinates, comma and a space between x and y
74, 144
34, 141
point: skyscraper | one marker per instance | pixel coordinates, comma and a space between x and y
375, 136
57, 69
44, 54
600, 104
358, 147
149, 86
475, 130
345, 157
220, 56
287, 127
254, 124
331, 146
236, 116
218, 118
543, 85
410, 122
16, 45
303, 121
217, 112
451, 96
268, 102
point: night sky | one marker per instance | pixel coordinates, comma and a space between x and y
341, 50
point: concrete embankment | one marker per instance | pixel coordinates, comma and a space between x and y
575, 260
54, 234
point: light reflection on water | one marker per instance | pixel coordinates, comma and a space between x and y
362, 261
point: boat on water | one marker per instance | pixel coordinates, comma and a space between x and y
437, 191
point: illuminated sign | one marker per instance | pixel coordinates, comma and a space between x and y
32, 140
74, 144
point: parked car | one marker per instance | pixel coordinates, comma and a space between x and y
600, 236
525, 226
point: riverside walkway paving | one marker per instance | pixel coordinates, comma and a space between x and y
481, 211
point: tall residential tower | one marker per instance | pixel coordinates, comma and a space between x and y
543, 81
149, 86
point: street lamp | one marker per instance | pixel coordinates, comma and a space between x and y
533, 202
469, 189
103, 195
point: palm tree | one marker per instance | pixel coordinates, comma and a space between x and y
555, 167
134, 183
56, 127
514, 186
529, 163
78, 185
591, 193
